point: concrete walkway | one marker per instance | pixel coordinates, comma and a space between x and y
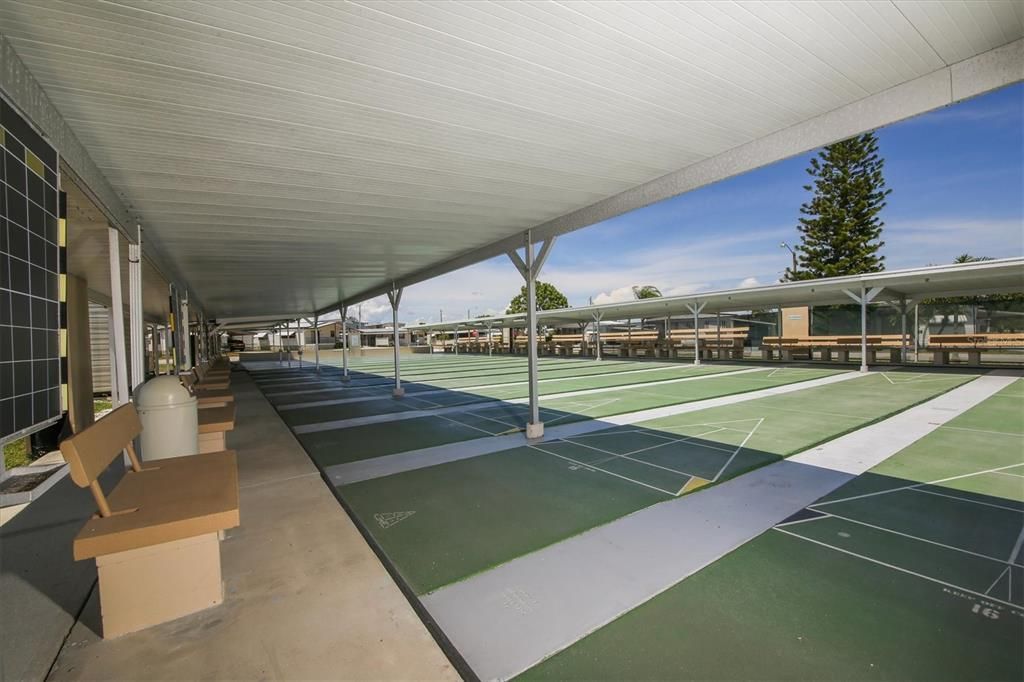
305, 596
508, 619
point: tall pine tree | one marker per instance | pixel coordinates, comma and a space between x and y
840, 231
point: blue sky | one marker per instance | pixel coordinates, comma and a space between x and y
957, 180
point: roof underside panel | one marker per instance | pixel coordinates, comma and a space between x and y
286, 156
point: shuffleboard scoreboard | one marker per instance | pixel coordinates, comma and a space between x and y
32, 283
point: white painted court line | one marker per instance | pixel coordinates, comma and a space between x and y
485, 403
966, 499
898, 568
386, 465
865, 448
656, 547
737, 451
467, 389
920, 539
996, 581
629, 455
605, 471
916, 485
990, 432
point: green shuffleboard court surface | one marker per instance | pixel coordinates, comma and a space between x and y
912, 571
336, 446
425, 399
502, 382
443, 523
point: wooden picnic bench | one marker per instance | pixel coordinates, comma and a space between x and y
941, 345
832, 347
155, 538
207, 397
724, 341
211, 379
214, 423
628, 343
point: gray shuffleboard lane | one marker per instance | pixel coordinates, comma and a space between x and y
506, 620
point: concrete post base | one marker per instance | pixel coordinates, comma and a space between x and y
398, 392
346, 379
534, 430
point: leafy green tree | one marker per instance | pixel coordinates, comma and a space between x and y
548, 298
840, 231
646, 291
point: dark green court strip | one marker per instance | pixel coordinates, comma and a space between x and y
464, 517
374, 440
910, 572
449, 397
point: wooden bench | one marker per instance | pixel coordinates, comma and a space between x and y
725, 341
628, 344
215, 379
832, 347
214, 423
941, 345
207, 397
156, 536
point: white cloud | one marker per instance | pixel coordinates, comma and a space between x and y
615, 295
749, 283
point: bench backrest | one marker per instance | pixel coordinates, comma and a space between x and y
629, 336
89, 452
712, 332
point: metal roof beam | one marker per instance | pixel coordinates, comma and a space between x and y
25, 93
977, 75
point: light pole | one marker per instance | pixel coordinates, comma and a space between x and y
786, 246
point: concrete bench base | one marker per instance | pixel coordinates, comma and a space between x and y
151, 585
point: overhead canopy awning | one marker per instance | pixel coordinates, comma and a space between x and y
286, 157
985, 277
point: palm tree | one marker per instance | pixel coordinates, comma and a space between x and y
646, 291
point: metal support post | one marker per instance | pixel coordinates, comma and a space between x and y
863, 299
344, 343
490, 339
597, 332
316, 340
863, 329
718, 333
455, 338
696, 308
119, 370
186, 332
529, 269
917, 331
135, 321
395, 297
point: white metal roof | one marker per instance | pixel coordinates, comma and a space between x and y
1004, 275
286, 156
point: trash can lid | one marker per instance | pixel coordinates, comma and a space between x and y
162, 391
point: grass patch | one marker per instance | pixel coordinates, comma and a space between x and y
17, 454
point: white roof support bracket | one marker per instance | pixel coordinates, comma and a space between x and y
697, 307
869, 296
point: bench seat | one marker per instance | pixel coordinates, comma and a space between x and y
170, 499
156, 536
214, 423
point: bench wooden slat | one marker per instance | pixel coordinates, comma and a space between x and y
170, 499
89, 452
214, 419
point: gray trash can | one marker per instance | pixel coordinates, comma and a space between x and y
170, 419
